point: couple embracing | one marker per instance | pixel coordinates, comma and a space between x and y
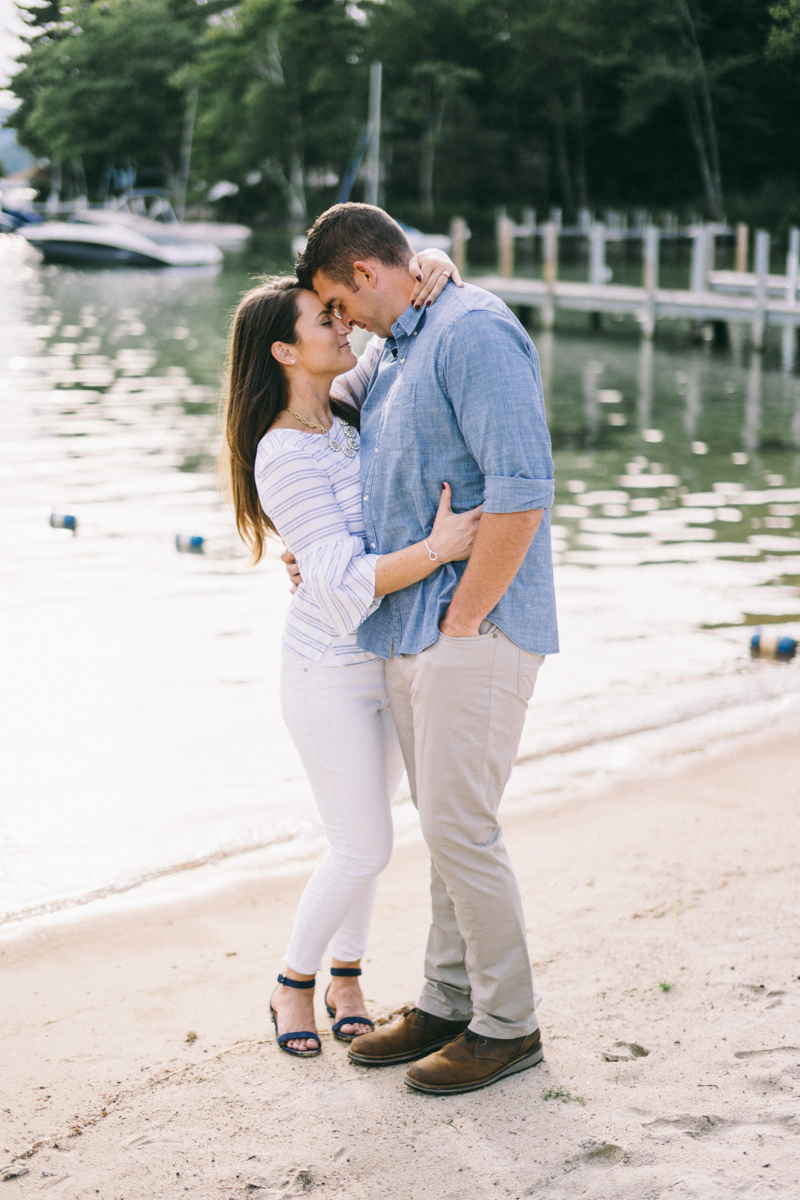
412, 489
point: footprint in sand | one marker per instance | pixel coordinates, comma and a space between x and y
624, 1052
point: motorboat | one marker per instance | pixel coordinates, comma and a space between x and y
114, 244
149, 211
16, 206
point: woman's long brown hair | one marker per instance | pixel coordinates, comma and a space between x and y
257, 391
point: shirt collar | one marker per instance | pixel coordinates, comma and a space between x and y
408, 321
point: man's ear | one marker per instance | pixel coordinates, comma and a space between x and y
365, 274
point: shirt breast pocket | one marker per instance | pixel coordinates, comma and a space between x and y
398, 418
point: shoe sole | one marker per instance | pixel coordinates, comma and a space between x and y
522, 1064
390, 1060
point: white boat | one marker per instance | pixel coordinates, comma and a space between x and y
148, 211
114, 244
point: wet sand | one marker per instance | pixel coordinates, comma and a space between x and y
664, 925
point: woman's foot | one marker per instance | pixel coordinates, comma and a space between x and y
295, 1010
345, 998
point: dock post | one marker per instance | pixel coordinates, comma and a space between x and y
742, 237
458, 244
550, 245
700, 257
792, 263
651, 245
598, 271
505, 245
762, 267
789, 340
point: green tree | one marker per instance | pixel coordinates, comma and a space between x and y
665, 61
434, 59
98, 81
282, 97
784, 37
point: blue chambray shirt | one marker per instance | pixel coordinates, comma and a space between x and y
456, 397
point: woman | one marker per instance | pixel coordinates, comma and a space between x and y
293, 455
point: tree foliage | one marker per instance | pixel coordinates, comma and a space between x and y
576, 103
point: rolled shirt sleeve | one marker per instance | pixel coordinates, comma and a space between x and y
340, 576
490, 372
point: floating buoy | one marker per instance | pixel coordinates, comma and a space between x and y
62, 521
773, 645
188, 544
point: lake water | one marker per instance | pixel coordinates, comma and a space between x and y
141, 733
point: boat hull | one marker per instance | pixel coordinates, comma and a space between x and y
83, 254
114, 245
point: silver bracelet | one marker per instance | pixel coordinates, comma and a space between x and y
432, 555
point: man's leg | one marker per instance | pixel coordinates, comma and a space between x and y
446, 950
461, 705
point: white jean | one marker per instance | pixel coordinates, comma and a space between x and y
341, 723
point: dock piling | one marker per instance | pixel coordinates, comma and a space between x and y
458, 243
789, 333
742, 237
505, 245
599, 273
701, 256
550, 243
651, 246
762, 267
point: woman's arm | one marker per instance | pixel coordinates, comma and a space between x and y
450, 540
353, 385
432, 269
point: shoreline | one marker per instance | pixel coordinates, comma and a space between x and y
298, 852
663, 925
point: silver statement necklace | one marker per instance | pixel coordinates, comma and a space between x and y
350, 435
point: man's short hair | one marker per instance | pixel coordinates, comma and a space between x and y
347, 233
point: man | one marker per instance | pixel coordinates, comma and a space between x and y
456, 398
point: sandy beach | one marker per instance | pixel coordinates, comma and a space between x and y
664, 925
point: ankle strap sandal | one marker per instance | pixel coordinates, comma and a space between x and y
298, 983
336, 1029
308, 1034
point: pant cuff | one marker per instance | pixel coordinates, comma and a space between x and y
488, 1027
432, 1001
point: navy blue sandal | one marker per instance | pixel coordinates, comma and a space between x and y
336, 1029
283, 1038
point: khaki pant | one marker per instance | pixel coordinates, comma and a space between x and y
459, 707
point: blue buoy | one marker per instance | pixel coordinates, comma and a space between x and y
786, 648
772, 645
188, 544
62, 521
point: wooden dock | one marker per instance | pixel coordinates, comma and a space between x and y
755, 298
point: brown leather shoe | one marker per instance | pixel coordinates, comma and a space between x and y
416, 1034
472, 1062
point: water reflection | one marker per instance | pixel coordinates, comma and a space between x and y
752, 413
694, 406
645, 401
